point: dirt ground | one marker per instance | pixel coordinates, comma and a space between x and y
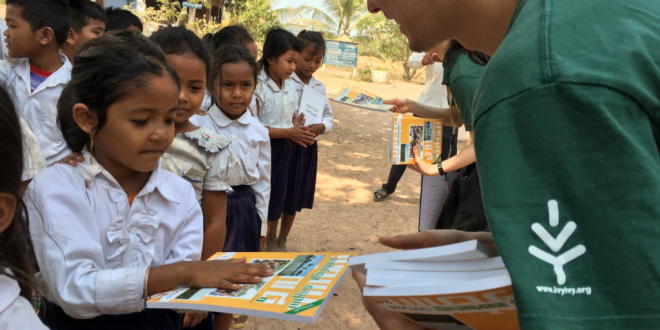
353, 162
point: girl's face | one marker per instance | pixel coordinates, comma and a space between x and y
234, 88
309, 62
139, 128
283, 66
192, 72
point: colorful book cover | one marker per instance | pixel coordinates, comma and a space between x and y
301, 285
357, 97
408, 132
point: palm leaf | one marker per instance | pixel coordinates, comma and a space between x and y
286, 14
313, 25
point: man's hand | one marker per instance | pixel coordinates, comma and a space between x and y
429, 58
422, 167
433, 238
400, 105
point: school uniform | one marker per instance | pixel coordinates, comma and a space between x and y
39, 107
93, 247
276, 109
33, 161
15, 311
247, 207
301, 184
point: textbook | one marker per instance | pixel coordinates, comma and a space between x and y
469, 250
357, 97
387, 277
408, 132
298, 290
312, 104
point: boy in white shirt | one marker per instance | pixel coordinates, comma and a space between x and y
34, 71
88, 21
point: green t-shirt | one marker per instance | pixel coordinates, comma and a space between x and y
568, 110
463, 77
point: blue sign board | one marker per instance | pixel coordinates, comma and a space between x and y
340, 53
192, 5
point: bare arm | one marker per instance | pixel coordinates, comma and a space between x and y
464, 158
214, 208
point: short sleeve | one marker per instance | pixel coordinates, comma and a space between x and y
222, 167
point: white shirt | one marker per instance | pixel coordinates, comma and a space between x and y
318, 86
33, 161
434, 93
276, 106
207, 102
38, 109
15, 311
3, 44
251, 145
93, 247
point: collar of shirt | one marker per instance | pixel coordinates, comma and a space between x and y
264, 77
223, 121
312, 82
61, 76
91, 171
9, 290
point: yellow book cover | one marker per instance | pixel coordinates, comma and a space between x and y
485, 304
408, 132
301, 285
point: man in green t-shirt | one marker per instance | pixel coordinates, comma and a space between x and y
567, 123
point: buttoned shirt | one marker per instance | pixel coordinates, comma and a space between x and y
15, 311
317, 86
276, 105
433, 93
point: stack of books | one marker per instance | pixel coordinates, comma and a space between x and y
461, 286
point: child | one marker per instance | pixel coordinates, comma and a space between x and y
198, 154
278, 101
302, 170
35, 70
232, 83
16, 273
88, 21
120, 19
117, 228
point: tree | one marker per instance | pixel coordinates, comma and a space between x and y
339, 17
255, 15
384, 36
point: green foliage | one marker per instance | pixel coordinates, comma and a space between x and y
339, 17
364, 74
168, 12
383, 35
255, 15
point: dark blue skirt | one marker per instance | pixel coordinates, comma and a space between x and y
54, 317
280, 154
301, 185
243, 221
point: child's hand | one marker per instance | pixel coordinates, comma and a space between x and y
192, 319
224, 274
400, 105
301, 135
298, 120
72, 159
317, 129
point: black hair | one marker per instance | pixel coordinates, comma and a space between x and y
15, 261
84, 10
234, 34
230, 53
311, 38
278, 41
46, 13
120, 19
106, 70
454, 48
181, 41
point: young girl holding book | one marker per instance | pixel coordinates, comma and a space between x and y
232, 82
278, 102
301, 183
117, 228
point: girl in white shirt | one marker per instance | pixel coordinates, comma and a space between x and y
116, 229
302, 170
278, 102
16, 272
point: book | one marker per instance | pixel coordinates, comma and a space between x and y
312, 104
386, 277
408, 132
300, 287
453, 266
360, 98
483, 304
469, 250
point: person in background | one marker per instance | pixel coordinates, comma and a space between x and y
3, 44
433, 94
121, 19
88, 21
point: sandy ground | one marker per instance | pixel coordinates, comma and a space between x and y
353, 162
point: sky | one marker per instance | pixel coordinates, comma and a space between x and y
295, 3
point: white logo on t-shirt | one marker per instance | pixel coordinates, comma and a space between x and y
555, 244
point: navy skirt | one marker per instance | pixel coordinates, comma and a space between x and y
280, 154
243, 221
301, 185
54, 317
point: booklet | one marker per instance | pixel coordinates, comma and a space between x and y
386, 277
447, 266
409, 132
360, 98
483, 304
312, 104
469, 250
301, 285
